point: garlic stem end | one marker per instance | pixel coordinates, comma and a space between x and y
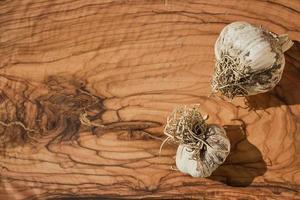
285, 42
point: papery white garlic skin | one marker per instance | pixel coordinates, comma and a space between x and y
254, 50
212, 157
185, 164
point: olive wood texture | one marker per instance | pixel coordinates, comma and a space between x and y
86, 86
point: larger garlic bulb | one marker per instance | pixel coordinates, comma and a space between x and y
249, 60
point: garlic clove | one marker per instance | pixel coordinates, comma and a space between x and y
184, 162
211, 157
248, 44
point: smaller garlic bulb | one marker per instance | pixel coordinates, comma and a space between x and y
249, 60
202, 147
217, 147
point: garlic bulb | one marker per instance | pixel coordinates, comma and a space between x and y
202, 147
212, 155
249, 60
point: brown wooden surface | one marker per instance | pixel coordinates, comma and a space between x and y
127, 64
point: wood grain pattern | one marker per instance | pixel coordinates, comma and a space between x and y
127, 64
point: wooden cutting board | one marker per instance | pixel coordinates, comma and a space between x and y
86, 86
